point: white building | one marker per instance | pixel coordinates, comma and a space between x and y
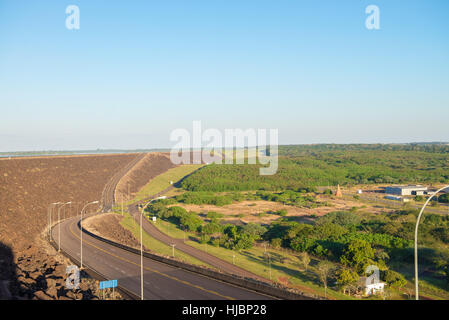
406, 190
396, 198
371, 288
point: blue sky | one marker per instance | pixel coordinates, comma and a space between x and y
136, 70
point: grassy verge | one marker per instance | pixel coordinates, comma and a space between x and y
254, 261
162, 181
154, 245
171, 229
288, 272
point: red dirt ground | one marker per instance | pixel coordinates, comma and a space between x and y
149, 167
29, 185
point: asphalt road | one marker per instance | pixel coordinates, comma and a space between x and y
108, 195
161, 281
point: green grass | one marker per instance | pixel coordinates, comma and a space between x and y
154, 245
170, 229
162, 181
252, 260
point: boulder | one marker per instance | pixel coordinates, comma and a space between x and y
40, 295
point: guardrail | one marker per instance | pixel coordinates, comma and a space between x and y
95, 274
279, 291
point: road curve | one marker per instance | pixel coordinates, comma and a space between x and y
108, 197
161, 281
211, 260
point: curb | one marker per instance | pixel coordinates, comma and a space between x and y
247, 283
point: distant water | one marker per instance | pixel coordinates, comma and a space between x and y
70, 153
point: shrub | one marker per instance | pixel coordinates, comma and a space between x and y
394, 279
204, 238
276, 243
214, 215
419, 198
215, 242
282, 212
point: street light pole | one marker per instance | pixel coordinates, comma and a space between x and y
81, 230
269, 262
141, 244
141, 256
59, 224
50, 211
416, 239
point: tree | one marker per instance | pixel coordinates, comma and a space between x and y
325, 269
444, 198
211, 228
419, 199
329, 230
254, 230
191, 221
302, 244
346, 277
358, 253
394, 279
245, 241
304, 258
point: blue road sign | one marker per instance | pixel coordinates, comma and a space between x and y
108, 284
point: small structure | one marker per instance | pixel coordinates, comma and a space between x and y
410, 190
367, 288
359, 191
338, 194
396, 198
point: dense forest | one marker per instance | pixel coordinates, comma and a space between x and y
323, 165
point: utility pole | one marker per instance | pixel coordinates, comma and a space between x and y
173, 249
141, 244
81, 230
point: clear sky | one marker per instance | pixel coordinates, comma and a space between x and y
136, 70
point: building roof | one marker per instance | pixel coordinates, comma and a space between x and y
362, 282
409, 187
